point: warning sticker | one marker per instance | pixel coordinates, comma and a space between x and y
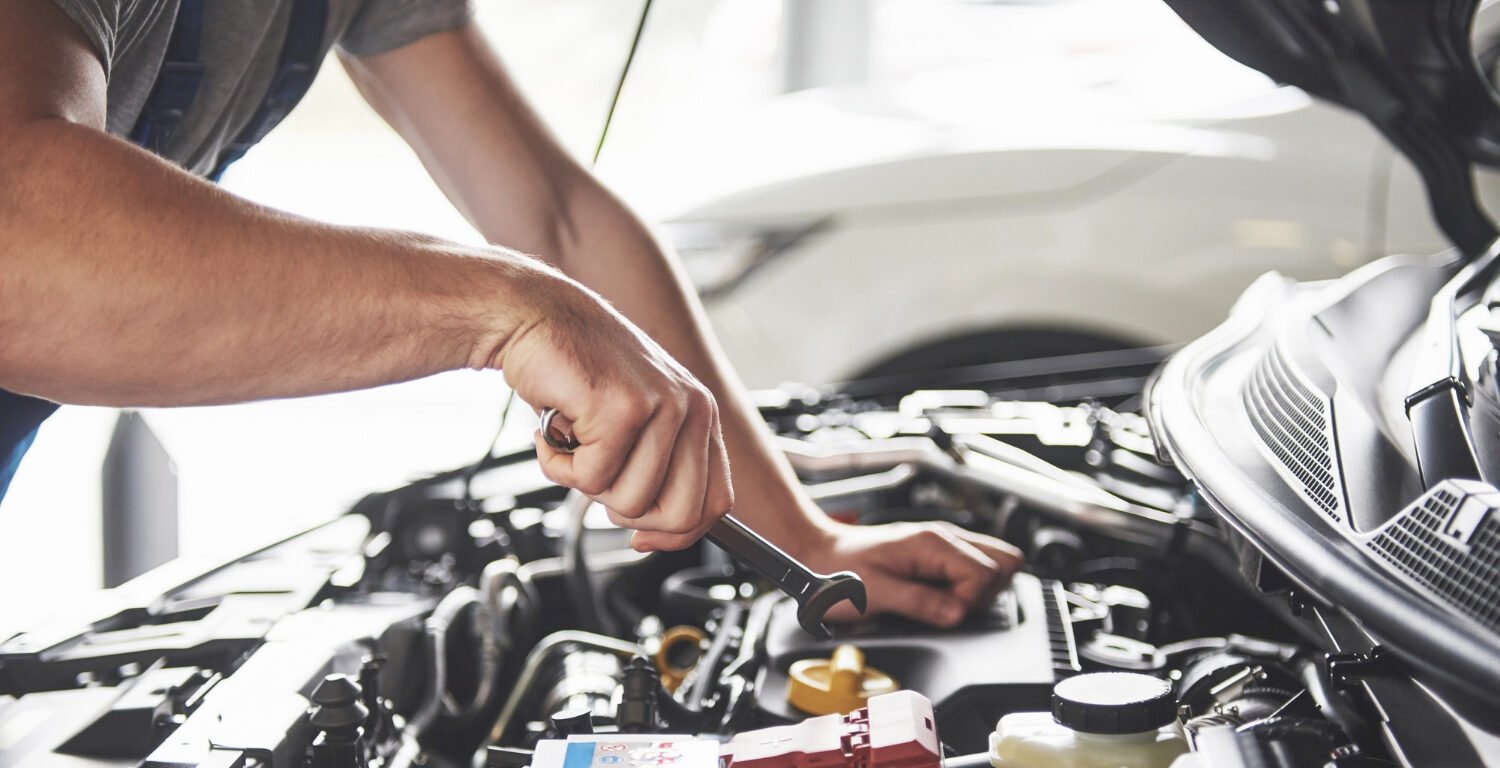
622, 751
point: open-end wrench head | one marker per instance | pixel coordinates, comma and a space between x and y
833, 589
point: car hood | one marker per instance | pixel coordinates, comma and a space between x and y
1407, 66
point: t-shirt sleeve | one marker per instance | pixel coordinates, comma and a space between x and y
384, 25
98, 19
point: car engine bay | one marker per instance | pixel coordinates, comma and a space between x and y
1253, 554
484, 616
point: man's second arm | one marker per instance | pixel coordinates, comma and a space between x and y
451, 99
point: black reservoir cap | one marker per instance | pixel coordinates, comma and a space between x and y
1113, 703
507, 757
576, 721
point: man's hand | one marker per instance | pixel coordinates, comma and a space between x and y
650, 445
932, 572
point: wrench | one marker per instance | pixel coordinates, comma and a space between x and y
815, 593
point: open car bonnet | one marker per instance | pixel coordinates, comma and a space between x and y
1408, 66
1341, 429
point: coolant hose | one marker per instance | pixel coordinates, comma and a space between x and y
550, 646
447, 611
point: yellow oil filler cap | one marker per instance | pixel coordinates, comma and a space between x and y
678, 654
840, 684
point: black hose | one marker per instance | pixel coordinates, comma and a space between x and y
618, 602
447, 612
1322, 734
687, 595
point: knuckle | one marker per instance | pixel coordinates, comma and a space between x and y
680, 523
692, 397
672, 521
720, 503
930, 536
631, 509
592, 483
674, 408
636, 410
705, 399
590, 489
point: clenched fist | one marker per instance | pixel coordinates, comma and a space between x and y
650, 448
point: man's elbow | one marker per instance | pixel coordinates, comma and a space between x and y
28, 166
579, 205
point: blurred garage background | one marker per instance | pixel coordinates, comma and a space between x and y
857, 187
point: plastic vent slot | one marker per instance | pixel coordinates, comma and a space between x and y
1292, 422
1064, 645
1425, 544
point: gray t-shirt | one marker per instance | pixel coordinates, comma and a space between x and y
240, 45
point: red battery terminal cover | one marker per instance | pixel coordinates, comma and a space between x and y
894, 730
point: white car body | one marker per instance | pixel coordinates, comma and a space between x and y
1129, 192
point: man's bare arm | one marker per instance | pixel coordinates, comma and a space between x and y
451, 99
124, 280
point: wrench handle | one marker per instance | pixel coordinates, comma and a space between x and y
765, 558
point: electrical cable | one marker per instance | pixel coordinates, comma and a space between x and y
489, 454
614, 101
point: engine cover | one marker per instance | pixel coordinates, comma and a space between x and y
1001, 660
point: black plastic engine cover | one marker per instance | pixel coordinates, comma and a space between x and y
998, 661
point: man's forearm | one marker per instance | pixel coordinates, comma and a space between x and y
494, 158
125, 281
641, 279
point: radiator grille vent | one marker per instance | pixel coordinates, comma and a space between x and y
1293, 422
1449, 543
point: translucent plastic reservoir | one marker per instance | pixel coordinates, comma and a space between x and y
1035, 740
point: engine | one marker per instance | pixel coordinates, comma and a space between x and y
484, 617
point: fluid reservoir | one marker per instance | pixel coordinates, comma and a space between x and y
1100, 720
